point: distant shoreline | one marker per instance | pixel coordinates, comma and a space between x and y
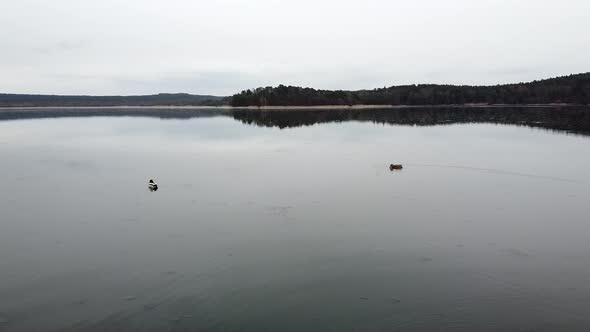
319, 107
558, 91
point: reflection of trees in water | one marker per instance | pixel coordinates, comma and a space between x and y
571, 119
162, 113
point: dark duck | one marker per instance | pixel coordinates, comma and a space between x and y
152, 185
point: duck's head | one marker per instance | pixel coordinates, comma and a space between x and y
151, 181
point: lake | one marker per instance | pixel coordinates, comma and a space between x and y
292, 220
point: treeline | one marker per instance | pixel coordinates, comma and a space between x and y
171, 99
572, 89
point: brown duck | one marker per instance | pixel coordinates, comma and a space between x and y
395, 166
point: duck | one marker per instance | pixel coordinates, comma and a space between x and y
395, 166
152, 185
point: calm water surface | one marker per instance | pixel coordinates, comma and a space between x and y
257, 228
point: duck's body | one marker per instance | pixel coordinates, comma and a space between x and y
395, 166
152, 185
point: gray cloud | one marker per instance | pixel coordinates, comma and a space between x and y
62, 46
224, 46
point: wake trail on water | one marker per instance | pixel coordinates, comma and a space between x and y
501, 172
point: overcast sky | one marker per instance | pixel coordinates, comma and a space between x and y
224, 46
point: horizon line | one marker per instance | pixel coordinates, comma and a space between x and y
304, 87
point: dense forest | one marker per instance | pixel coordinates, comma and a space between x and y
572, 89
172, 99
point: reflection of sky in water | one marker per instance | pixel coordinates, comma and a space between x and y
256, 221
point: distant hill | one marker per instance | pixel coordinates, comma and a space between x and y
162, 99
572, 89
